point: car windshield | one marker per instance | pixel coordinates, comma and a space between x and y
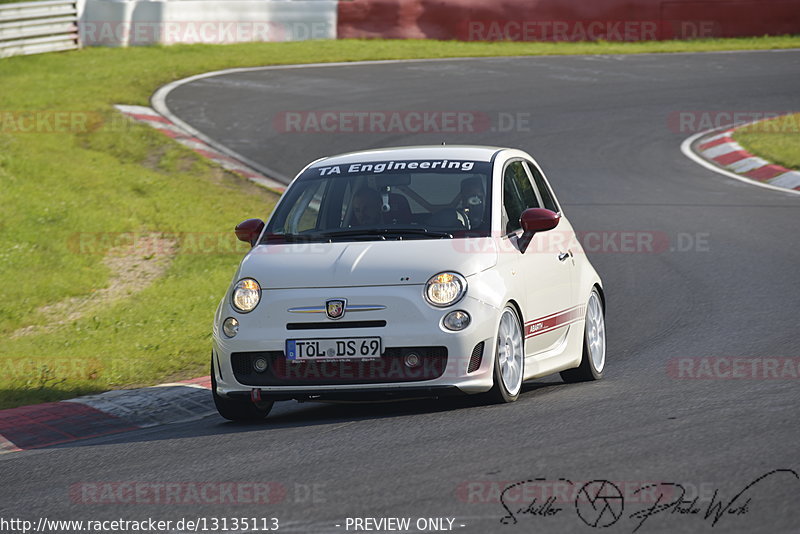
402, 199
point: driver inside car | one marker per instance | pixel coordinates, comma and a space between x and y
471, 201
366, 208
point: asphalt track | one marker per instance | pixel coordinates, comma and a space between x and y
600, 128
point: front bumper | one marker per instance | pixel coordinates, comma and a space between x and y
408, 323
357, 395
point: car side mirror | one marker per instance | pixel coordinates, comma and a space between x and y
535, 220
249, 230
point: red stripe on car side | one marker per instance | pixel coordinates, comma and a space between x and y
551, 315
551, 322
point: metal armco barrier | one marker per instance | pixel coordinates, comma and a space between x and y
37, 27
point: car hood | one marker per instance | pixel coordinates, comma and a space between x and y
365, 263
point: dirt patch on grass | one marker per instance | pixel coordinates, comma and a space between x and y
154, 157
132, 270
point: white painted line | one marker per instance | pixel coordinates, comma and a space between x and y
139, 110
162, 126
187, 139
194, 145
686, 148
159, 103
181, 384
159, 98
722, 149
6, 446
269, 184
747, 164
788, 179
230, 166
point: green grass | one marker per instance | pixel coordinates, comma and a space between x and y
776, 140
116, 176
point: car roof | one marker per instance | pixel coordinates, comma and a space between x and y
452, 152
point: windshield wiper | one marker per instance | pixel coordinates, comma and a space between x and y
383, 232
289, 238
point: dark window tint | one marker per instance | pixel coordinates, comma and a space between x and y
518, 195
544, 190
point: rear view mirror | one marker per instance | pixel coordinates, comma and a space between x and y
393, 180
249, 230
535, 220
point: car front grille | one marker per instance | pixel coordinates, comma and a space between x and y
389, 368
338, 324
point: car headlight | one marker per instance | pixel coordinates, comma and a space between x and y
445, 289
246, 295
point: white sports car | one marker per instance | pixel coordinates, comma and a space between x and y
407, 273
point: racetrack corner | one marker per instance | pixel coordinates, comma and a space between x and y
717, 151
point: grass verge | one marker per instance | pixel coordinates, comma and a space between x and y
776, 140
69, 194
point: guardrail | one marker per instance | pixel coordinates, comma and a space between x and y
37, 27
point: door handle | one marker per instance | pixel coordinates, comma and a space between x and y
564, 255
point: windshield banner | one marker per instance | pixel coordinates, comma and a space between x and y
407, 166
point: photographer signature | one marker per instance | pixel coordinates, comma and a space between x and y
601, 503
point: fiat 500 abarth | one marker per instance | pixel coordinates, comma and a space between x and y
407, 273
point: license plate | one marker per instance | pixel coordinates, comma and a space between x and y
333, 348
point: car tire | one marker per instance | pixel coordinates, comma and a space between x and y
238, 409
509, 358
593, 357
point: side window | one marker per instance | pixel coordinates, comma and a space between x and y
305, 212
518, 195
544, 190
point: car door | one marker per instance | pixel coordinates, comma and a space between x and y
546, 264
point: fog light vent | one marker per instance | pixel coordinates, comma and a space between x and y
475, 358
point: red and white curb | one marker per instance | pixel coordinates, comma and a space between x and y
113, 412
154, 119
56, 423
716, 150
